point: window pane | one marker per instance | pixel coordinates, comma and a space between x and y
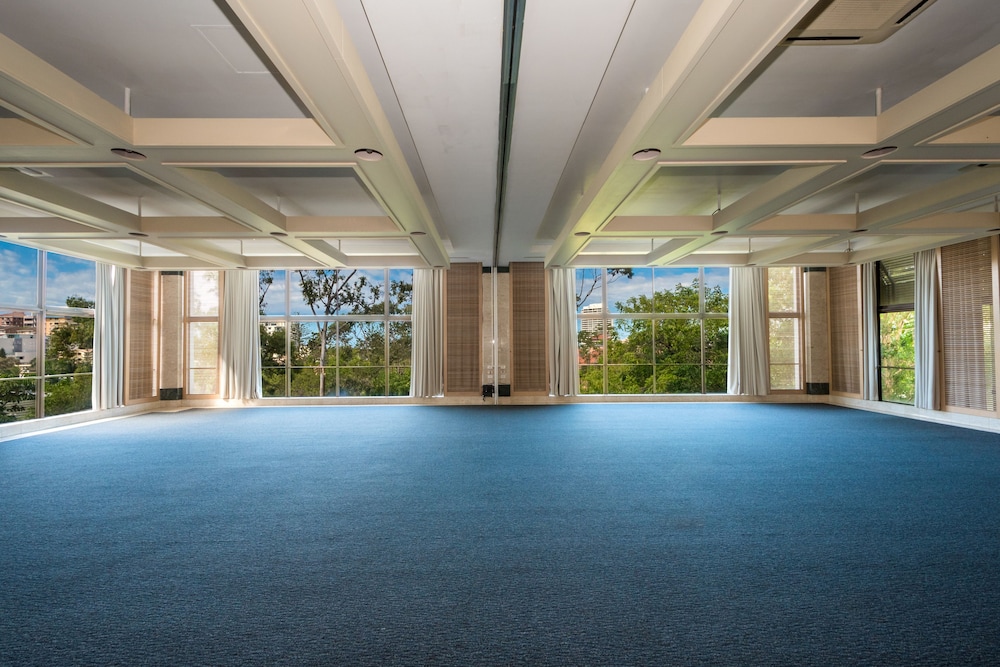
896, 278
18, 343
400, 343
273, 357
273, 382
308, 381
897, 356
18, 275
716, 290
400, 291
69, 345
678, 341
717, 342
399, 382
314, 343
590, 337
17, 396
362, 381
203, 358
630, 290
67, 394
782, 290
203, 293
785, 353
676, 291
589, 290
337, 292
631, 342
591, 379
634, 379
678, 379
362, 344
69, 282
273, 285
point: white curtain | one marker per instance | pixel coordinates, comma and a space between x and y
240, 335
925, 334
564, 376
748, 336
870, 331
427, 356
109, 338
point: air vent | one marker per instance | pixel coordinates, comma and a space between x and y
854, 21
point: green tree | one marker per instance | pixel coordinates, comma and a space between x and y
898, 356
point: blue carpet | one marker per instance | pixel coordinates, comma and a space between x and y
672, 534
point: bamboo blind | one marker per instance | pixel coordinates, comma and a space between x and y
967, 325
845, 331
464, 308
142, 382
529, 372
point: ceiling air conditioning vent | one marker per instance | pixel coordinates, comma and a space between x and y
854, 21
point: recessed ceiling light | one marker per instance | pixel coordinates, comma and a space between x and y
279, 234
139, 234
719, 232
858, 231
417, 232
879, 152
581, 233
368, 154
646, 154
128, 153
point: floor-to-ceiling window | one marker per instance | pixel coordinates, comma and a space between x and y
46, 333
203, 293
895, 320
336, 332
653, 331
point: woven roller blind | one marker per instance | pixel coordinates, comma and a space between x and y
845, 331
529, 372
967, 325
463, 319
142, 382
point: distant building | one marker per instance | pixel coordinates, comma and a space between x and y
594, 325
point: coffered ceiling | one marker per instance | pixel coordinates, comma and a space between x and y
502, 139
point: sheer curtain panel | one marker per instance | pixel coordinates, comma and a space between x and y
427, 356
240, 344
748, 333
564, 376
925, 334
869, 308
108, 388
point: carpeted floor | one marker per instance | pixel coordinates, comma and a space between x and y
671, 534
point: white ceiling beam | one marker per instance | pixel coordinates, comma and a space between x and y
816, 131
231, 132
968, 187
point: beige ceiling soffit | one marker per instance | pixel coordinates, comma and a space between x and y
19, 132
39, 195
816, 259
43, 94
228, 132
675, 249
968, 187
342, 226
948, 98
906, 245
217, 192
983, 131
777, 194
658, 223
200, 251
282, 262
800, 245
206, 226
832, 222
950, 222
42, 226
380, 261
90, 251
713, 259
851, 131
719, 48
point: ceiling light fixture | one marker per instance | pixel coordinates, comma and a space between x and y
128, 154
581, 234
417, 232
881, 151
141, 235
368, 154
279, 234
646, 154
858, 231
719, 232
